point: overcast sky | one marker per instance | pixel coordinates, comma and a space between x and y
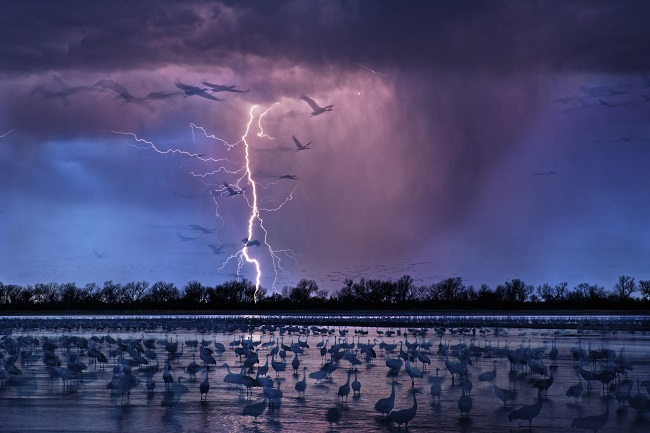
486, 140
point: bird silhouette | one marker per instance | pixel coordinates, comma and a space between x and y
404, 416
201, 229
184, 238
289, 176
504, 394
464, 403
488, 376
385, 405
575, 391
316, 109
333, 416
99, 255
356, 385
526, 413
231, 191
301, 385
344, 390
204, 387
221, 88
255, 409
543, 385
299, 145
248, 243
594, 422
192, 90
216, 251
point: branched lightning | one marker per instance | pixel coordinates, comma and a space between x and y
243, 173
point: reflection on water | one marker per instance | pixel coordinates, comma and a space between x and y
359, 373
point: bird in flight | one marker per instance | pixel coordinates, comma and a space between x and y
232, 192
248, 243
544, 173
201, 229
99, 255
216, 251
315, 107
221, 88
298, 145
192, 90
605, 103
289, 176
184, 238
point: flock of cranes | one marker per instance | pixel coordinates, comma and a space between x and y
432, 365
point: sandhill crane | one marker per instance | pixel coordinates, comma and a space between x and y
356, 385
301, 385
221, 88
504, 394
385, 405
231, 191
333, 416
543, 385
464, 403
575, 391
193, 90
316, 109
593, 422
204, 387
526, 413
436, 388
344, 390
488, 376
404, 416
299, 145
255, 409
413, 372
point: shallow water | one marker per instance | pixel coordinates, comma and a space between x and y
34, 401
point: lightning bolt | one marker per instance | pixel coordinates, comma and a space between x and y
255, 214
244, 173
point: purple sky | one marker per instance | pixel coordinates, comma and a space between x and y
487, 140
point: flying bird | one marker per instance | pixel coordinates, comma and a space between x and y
605, 103
192, 90
289, 176
99, 255
544, 173
201, 229
221, 88
232, 192
300, 146
117, 88
216, 251
315, 107
248, 243
184, 238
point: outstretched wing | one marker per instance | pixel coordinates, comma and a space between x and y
206, 95
314, 106
295, 140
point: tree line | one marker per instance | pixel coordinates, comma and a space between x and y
450, 293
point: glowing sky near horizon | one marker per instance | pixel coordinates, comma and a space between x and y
487, 141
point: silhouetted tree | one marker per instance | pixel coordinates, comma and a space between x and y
625, 288
548, 293
47, 294
162, 292
110, 293
134, 291
514, 292
195, 292
70, 294
644, 288
585, 292
303, 291
235, 292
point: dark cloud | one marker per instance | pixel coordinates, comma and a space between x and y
442, 110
